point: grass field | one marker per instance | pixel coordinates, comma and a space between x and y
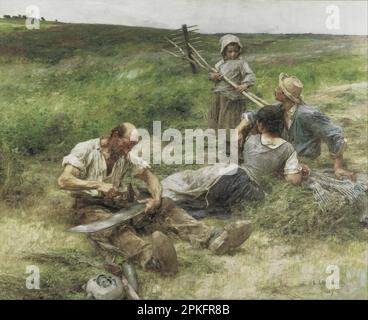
66, 83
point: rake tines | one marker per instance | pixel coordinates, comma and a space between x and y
180, 39
185, 50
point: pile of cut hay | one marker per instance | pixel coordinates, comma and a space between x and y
320, 208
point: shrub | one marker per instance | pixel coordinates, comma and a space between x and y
11, 168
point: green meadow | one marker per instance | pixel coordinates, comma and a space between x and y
66, 83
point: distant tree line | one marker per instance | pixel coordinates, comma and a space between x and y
19, 16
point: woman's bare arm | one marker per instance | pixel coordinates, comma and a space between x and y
295, 179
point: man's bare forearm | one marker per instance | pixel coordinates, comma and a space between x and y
153, 184
242, 125
338, 164
75, 184
69, 181
340, 171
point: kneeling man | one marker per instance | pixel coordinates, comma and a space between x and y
94, 172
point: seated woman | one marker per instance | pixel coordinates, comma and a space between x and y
214, 189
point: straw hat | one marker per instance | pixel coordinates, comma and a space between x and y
291, 86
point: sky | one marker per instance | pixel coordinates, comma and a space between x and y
212, 16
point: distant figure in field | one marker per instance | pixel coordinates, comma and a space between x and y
228, 103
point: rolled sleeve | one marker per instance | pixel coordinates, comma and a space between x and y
322, 127
292, 165
340, 152
77, 157
137, 165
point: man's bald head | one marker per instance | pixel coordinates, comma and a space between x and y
125, 130
123, 138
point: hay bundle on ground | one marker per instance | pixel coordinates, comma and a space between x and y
322, 207
340, 195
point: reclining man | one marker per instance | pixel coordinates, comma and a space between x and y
94, 171
305, 126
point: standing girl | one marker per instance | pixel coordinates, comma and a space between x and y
228, 104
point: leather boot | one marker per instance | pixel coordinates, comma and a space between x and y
232, 236
164, 259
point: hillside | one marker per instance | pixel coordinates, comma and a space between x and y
68, 82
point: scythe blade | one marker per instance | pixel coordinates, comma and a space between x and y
118, 218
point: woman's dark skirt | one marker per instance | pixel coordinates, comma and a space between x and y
228, 191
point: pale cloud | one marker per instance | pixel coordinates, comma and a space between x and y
212, 16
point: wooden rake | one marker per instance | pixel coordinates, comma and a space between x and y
182, 37
197, 59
